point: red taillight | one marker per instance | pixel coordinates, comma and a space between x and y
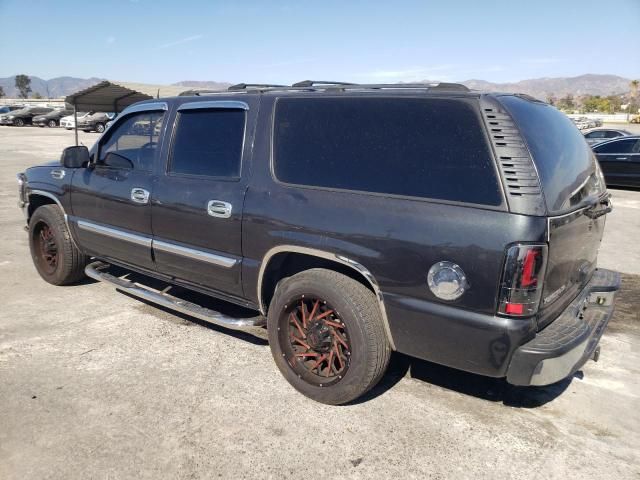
521, 285
514, 308
529, 278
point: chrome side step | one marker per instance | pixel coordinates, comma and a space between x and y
96, 270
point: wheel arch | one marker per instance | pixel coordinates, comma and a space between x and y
39, 198
286, 260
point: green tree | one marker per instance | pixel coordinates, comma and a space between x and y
566, 103
2, 94
634, 88
595, 103
633, 101
37, 96
23, 84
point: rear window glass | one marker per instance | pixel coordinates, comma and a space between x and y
431, 148
562, 157
208, 143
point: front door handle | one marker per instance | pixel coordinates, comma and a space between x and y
140, 195
58, 174
218, 208
621, 158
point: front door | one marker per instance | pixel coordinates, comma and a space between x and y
110, 197
198, 198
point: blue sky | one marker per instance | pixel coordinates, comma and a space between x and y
156, 41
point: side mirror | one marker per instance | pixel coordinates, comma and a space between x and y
75, 157
114, 160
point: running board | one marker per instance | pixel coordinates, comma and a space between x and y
96, 270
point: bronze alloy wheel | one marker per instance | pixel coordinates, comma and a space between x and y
315, 341
46, 248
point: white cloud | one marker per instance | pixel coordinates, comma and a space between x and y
181, 41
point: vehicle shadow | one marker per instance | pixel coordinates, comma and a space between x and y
401, 366
479, 386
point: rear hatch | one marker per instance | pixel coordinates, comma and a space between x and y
575, 195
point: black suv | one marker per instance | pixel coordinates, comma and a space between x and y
352, 220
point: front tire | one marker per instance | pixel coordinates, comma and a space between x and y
54, 254
100, 127
18, 122
327, 336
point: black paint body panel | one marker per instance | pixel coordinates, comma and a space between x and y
397, 239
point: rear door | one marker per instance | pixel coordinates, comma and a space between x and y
198, 199
619, 161
110, 197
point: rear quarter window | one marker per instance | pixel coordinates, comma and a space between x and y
419, 147
562, 156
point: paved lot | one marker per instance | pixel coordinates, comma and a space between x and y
94, 384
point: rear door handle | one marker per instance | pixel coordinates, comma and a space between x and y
621, 158
140, 195
218, 208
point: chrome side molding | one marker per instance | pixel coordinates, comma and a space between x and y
160, 245
114, 233
194, 254
96, 270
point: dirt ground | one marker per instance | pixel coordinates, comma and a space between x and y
95, 384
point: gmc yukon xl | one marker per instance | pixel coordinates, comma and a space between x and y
353, 220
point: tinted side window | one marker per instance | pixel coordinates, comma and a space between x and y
208, 142
620, 146
431, 148
135, 139
612, 134
598, 134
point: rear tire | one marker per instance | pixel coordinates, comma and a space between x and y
347, 331
52, 124
54, 254
100, 127
18, 122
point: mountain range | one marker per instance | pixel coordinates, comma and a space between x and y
542, 88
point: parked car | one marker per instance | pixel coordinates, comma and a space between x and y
600, 135
10, 108
350, 220
95, 121
51, 119
23, 116
620, 160
69, 122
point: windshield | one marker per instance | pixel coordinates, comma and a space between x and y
568, 170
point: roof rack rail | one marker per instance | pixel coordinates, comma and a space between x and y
431, 86
313, 83
197, 92
244, 86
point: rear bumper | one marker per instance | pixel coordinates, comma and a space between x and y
565, 345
